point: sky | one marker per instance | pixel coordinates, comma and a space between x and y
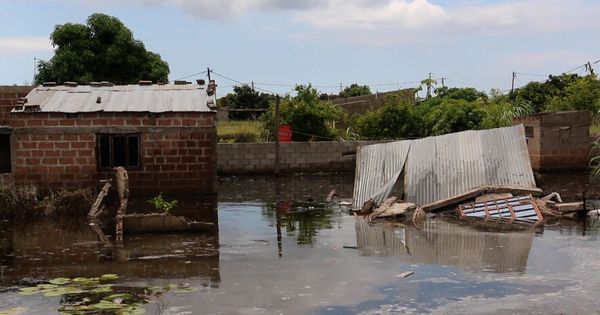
387, 44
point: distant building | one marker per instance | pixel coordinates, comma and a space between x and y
558, 141
72, 136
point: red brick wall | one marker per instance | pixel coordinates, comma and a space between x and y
178, 150
9, 95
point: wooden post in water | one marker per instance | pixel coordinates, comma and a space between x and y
277, 135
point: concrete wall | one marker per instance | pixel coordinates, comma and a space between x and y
247, 158
56, 150
561, 141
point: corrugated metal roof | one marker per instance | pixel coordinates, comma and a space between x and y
441, 167
122, 98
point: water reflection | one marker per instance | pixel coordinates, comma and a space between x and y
49, 249
442, 242
303, 221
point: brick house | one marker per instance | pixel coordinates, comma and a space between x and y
72, 136
558, 141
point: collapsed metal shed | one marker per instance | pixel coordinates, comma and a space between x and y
437, 168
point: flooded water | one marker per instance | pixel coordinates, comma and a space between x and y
279, 251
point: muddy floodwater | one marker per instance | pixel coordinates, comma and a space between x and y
279, 250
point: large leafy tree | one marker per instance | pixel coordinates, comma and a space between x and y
355, 90
244, 97
103, 49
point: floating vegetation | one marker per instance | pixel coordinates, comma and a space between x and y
100, 295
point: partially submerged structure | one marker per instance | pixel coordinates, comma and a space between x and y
558, 141
72, 136
437, 168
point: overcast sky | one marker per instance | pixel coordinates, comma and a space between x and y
386, 43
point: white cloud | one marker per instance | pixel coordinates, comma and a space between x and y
17, 45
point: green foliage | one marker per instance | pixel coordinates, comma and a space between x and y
395, 120
595, 159
244, 97
102, 50
68, 203
501, 113
583, 94
355, 90
19, 201
309, 116
467, 94
453, 115
240, 131
540, 94
161, 204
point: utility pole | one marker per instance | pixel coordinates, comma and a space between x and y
277, 135
512, 86
588, 68
429, 86
341, 89
34, 69
252, 86
443, 82
208, 71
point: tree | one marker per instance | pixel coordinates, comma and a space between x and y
309, 116
583, 94
102, 50
395, 120
244, 97
467, 94
454, 116
539, 94
355, 90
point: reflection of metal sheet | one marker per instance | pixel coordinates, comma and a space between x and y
441, 242
441, 167
520, 209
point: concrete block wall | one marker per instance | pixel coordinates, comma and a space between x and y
248, 158
561, 141
60, 151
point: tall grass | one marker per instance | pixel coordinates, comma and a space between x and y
240, 131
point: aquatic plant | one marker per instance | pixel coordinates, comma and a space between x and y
101, 295
161, 204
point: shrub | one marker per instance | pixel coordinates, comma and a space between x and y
69, 203
19, 201
395, 120
161, 204
309, 116
455, 115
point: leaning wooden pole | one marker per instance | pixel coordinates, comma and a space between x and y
122, 180
277, 100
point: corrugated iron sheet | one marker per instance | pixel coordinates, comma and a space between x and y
121, 98
377, 169
440, 167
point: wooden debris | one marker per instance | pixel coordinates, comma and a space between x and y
390, 210
405, 274
97, 207
122, 180
569, 206
489, 197
593, 213
332, 194
552, 197
368, 206
101, 236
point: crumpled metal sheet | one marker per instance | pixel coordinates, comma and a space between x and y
440, 167
378, 167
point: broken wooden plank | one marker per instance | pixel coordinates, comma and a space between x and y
569, 206
96, 206
405, 274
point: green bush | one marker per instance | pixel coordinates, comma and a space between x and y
161, 204
310, 117
454, 115
395, 120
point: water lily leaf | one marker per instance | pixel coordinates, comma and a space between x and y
102, 289
60, 281
14, 311
47, 286
29, 291
186, 290
108, 277
132, 310
124, 296
105, 305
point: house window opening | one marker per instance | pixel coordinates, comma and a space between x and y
5, 155
118, 150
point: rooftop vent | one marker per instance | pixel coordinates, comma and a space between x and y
98, 100
145, 82
49, 84
201, 82
212, 88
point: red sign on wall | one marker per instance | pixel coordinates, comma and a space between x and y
285, 133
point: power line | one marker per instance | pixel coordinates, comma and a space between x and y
192, 75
